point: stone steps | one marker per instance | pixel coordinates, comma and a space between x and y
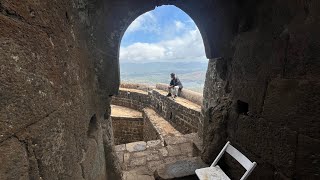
161, 126
143, 158
181, 169
165, 153
180, 100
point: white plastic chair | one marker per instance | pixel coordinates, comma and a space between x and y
214, 172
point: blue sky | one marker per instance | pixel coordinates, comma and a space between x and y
166, 34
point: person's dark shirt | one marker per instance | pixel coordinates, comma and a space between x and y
176, 82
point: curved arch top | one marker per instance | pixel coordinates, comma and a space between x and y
168, 28
215, 21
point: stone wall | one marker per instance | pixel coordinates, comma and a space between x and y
127, 130
185, 119
184, 93
132, 98
149, 132
143, 87
59, 67
264, 96
51, 108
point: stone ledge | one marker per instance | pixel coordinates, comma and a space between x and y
143, 87
192, 96
120, 111
134, 91
136, 146
181, 101
163, 127
148, 156
179, 169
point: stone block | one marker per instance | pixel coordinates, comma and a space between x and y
153, 165
154, 144
136, 146
138, 161
164, 152
186, 148
179, 169
153, 157
172, 140
121, 147
129, 175
126, 157
140, 153
174, 150
170, 159
120, 156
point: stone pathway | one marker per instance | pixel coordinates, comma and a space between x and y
120, 111
140, 160
182, 101
134, 90
163, 127
143, 158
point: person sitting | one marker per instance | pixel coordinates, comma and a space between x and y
175, 86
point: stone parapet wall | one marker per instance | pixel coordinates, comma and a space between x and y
151, 154
127, 129
143, 87
149, 131
183, 114
132, 98
184, 119
185, 93
157, 127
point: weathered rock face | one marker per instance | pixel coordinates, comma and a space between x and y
59, 66
51, 111
272, 80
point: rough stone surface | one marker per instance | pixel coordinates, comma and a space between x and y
14, 162
183, 114
146, 161
133, 175
132, 98
51, 88
192, 96
154, 144
263, 95
157, 127
59, 67
127, 129
180, 168
136, 146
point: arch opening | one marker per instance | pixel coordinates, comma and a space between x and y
160, 42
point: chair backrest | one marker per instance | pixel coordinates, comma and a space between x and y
242, 159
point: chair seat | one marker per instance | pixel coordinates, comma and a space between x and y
211, 173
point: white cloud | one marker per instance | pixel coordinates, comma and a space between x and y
146, 22
141, 51
179, 25
186, 47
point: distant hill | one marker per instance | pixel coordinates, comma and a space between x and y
191, 74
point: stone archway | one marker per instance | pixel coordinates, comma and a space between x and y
59, 67
216, 31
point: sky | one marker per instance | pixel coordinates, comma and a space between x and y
166, 34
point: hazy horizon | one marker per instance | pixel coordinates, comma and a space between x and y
191, 74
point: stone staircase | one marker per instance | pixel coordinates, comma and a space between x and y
163, 152
146, 160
